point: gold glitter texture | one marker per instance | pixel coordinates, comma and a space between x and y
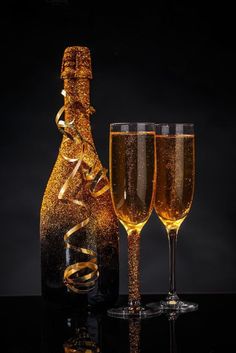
80, 283
77, 205
134, 269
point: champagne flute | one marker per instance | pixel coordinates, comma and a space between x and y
175, 163
132, 178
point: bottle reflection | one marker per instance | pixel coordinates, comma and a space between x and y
83, 341
66, 332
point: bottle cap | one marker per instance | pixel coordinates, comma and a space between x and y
76, 63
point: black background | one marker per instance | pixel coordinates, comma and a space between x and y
172, 64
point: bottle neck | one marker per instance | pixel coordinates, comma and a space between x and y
77, 114
78, 89
77, 105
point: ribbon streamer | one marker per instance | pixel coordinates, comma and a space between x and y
74, 277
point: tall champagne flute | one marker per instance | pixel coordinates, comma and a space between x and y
132, 178
175, 163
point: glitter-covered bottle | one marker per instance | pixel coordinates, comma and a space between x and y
78, 227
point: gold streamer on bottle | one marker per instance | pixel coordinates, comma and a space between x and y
74, 277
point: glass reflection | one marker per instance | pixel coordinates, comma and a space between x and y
172, 317
134, 335
64, 332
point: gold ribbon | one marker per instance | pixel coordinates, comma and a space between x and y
74, 277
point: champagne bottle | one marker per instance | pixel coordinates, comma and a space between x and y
78, 227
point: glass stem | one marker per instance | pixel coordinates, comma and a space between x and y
134, 270
172, 238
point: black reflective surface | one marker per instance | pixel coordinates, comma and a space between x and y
29, 325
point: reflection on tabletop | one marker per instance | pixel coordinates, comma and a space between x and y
27, 326
94, 333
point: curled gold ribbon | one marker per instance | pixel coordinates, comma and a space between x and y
74, 277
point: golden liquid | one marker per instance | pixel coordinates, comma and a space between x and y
132, 176
175, 178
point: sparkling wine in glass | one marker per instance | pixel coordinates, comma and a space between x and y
132, 178
175, 163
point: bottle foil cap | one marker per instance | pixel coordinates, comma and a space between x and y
76, 63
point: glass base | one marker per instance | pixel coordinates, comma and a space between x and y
125, 313
177, 306
172, 306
